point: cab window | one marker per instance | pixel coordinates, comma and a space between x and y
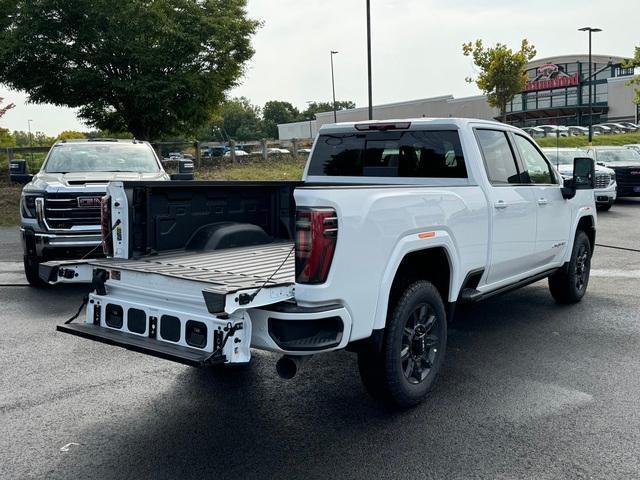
537, 169
499, 160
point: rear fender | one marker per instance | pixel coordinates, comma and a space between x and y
412, 243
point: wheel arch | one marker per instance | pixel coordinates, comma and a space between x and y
435, 263
588, 225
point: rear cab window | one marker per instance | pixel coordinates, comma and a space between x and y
499, 159
389, 154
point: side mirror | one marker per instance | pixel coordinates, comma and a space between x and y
185, 170
584, 177
18, 171
584, 173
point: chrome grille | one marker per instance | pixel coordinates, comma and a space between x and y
602, 180
62, 211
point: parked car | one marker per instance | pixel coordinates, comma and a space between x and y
239, 153
635, 146
626, 163
393, 224
602, 129
304, 151
555, 130
618, 127
60, 206
278, 151
576, 130
605, 184
535, 131
632, 126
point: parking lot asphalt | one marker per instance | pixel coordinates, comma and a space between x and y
529, 390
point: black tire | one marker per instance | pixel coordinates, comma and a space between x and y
604, 207
569, 284
31, 267
413, 348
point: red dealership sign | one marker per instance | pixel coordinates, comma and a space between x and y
549, 76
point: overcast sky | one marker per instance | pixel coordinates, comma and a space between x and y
416, 48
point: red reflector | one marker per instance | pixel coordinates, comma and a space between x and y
383, 126
105, 225
316, 236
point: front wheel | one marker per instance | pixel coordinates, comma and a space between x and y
31, 267
604, 207
413, 349
569, 284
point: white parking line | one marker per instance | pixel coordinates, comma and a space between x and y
615, 273
12, 273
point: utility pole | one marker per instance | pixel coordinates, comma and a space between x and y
30, 141
369, 58
590, 30
333, 87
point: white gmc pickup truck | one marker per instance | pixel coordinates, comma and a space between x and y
393, 224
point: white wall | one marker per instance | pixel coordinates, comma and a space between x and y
620, 98
306, 129
445, 106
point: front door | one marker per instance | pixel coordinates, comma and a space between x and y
513, 209
554, 215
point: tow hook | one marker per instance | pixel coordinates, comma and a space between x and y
289, 365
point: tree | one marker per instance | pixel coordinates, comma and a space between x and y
150, 67
7, 107
275, 112
70, 134
318, 107
6, 139
635, 63
238, 119
502, 71
38, 139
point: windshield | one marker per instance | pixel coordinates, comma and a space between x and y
101, 157
618, 155
564, 157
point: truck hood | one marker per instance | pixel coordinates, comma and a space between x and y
623, 164
568, 170
56, 180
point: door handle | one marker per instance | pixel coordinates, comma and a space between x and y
500, 204
542, 201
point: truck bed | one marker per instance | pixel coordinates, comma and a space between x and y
225, 271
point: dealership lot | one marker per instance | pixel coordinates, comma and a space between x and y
530, 390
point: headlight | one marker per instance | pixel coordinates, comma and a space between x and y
28, 205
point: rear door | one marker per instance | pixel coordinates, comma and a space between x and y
553, 212
513, 209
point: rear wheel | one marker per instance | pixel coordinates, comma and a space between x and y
31, 267
413, 348
569, 284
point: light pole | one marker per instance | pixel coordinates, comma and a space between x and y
333, 87
590, 30
369, 58
309, 102
30, 142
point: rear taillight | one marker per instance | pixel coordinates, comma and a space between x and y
316, 236
105, 225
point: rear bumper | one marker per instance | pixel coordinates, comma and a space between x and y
290, 329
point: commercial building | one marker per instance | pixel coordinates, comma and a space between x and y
557, 92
